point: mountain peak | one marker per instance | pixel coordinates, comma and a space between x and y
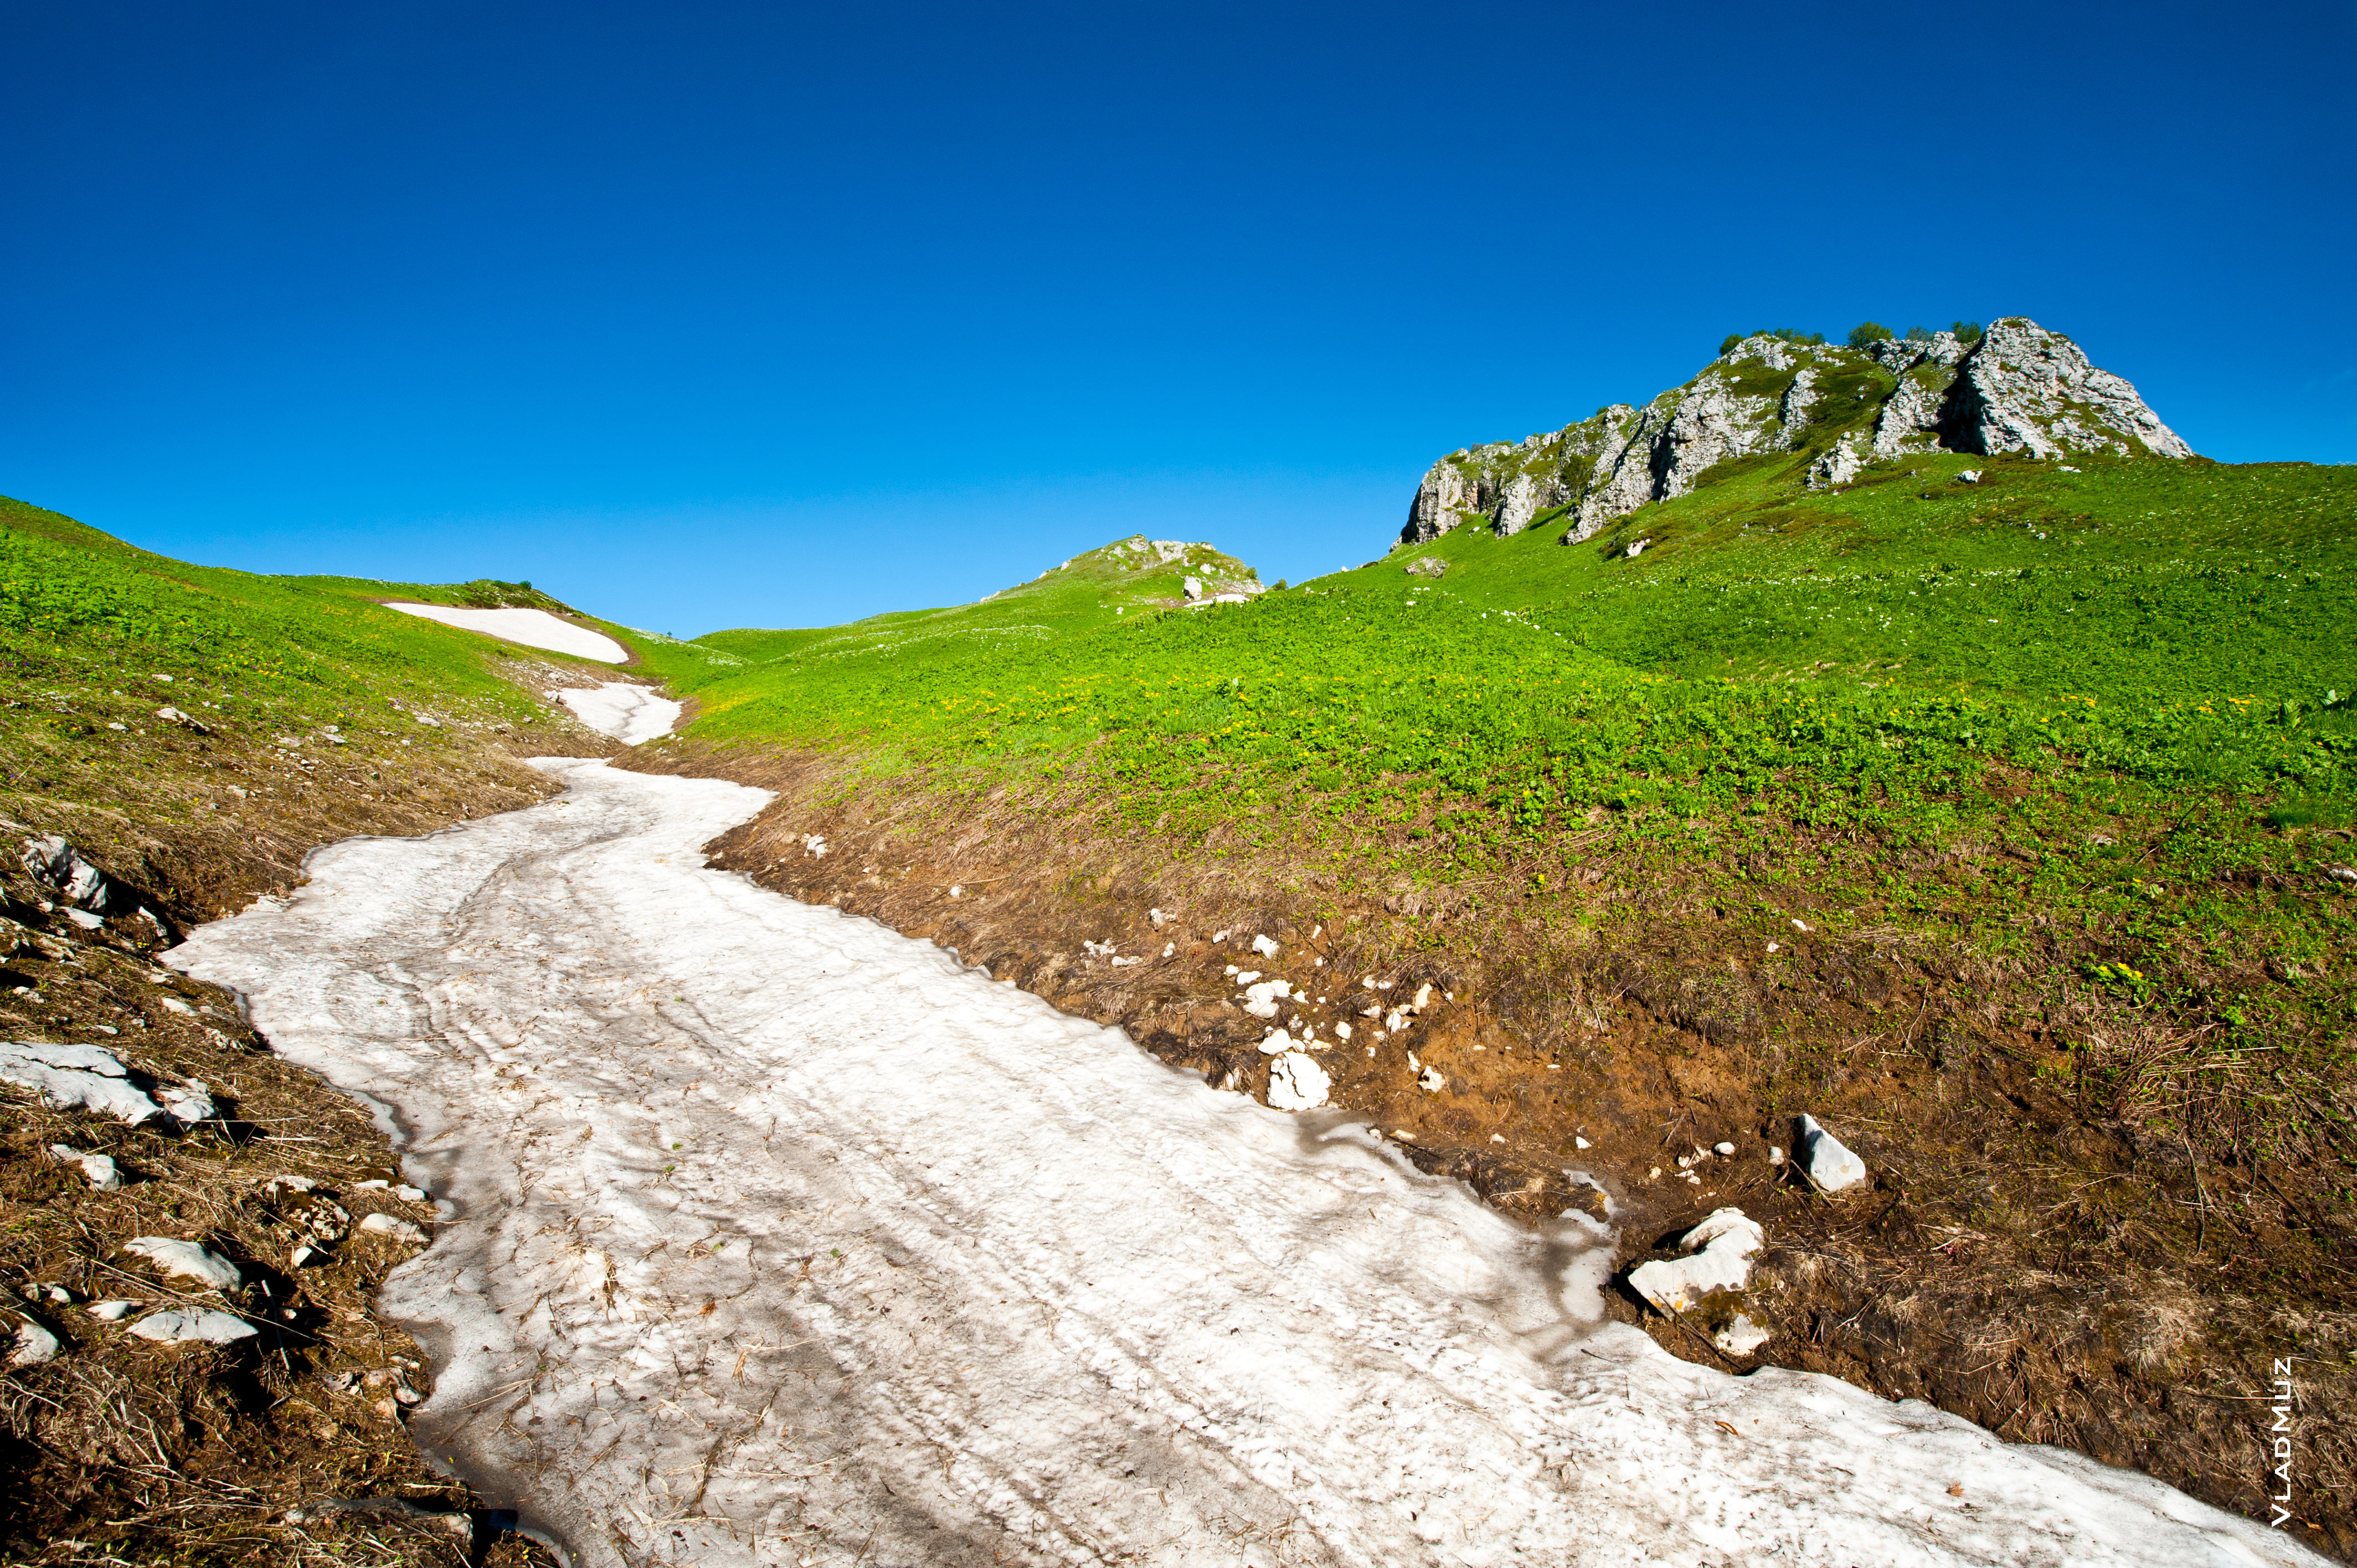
2018, 387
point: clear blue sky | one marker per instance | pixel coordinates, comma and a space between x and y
706, 315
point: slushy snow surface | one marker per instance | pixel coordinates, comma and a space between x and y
631, 714
533, 628
784, 1238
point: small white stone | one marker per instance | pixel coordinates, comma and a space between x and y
1218, 936
112, 1311
1342, 1030
35, 1345
186, 1259
1582, 1144
301, 1256
1277, 1042
180, 1327
399, 1229
1265, 946
1799, 925
1722, 1149
1432, 1082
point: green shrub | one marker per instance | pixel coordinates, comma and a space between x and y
1967, 331
1919, 334
1866, 332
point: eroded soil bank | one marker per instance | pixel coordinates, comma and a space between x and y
2040, 1249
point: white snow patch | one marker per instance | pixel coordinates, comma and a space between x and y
984, 1278
97, 1169
1297, 1083
533, 628
631, 714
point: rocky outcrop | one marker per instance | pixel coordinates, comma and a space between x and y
2025, 389
2018, 388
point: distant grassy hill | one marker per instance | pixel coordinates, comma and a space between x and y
305, 711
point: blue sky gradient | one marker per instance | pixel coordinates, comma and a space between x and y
719, 315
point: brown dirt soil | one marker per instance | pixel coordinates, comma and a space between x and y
288, 1447
2034, 1251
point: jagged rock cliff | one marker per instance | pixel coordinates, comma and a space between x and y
2018, 388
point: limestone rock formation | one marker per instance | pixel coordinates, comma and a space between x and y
2019, 389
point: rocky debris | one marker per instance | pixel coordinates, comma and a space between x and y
61, 868
1192, 587
1426, 567
190, 1102
1265, 946
112, 1311
1825, 1160
97, 1169
35, 1345
1719, 1259
186, 1259
171, 716
397, 1229
182, 1325
1636, 549
76, 1078
2019, 389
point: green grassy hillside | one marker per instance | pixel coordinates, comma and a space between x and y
304, 706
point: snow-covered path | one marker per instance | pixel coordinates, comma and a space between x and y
784, 1239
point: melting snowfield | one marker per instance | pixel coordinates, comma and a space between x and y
631, 714
780, 1238
533, 628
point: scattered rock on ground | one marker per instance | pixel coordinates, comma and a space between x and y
1740, 1336
186, 1259
75, 1077
1718, 1258
1825, 1160
98, 1169
1426, 567
201, 1326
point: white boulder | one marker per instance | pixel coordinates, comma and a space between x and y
97, 1169
71, 1078
186, 1259
1718, 1258
1825, 1160
182, 1327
